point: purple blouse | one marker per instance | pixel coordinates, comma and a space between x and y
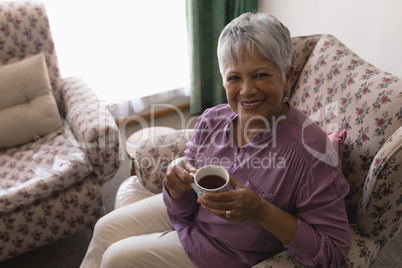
290, 166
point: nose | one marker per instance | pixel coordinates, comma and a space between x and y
248, 88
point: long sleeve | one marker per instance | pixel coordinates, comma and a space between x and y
277, 166
187, 205
183, 207
323, 237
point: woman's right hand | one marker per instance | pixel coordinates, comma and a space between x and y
178, 179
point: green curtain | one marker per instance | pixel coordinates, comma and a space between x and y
205, 21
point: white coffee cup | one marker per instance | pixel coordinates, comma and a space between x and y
208, 171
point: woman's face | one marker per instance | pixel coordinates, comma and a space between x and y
255, 89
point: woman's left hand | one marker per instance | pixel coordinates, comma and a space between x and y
243, 203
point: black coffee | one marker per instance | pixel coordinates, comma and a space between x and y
211, 182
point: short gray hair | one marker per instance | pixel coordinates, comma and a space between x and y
255, 30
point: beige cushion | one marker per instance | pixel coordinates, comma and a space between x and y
27, 106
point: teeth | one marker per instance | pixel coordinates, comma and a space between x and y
251, 104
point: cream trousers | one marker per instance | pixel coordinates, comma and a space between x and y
136, 235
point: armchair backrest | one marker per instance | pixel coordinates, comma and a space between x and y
339, 90
25, 31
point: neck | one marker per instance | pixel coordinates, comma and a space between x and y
244, 132
261, 125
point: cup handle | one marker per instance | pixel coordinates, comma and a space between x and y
193, 184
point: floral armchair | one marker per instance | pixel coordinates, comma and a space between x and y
50, 187
338, 90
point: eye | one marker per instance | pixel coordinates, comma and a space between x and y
233, 78
261, 75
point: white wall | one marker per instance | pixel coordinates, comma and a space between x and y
371, 28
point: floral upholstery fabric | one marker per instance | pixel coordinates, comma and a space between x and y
152, 158
380, 208
50, 188
24, 31
45, 221
93, 126
302, 47
35, 171
361, 253
339, 91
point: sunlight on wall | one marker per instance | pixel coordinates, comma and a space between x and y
123, 49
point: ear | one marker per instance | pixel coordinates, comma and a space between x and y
289, 76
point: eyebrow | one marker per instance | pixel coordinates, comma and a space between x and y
254, 71
263, 68
232, 72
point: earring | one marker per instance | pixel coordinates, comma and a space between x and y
286, 99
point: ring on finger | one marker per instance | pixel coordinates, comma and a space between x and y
228, 214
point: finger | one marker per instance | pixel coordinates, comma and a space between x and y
185, 167
229, 196
190, 168
218, 205
177, 176
183, 173
173, 181
235, 184
221, 213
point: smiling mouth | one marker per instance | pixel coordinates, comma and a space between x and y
251, 104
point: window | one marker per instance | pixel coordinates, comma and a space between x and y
123, 49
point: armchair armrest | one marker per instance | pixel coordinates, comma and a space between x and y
94, 128
379, 212
152, 157
285, 259
364, 251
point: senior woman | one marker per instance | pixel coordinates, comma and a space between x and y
283, 196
